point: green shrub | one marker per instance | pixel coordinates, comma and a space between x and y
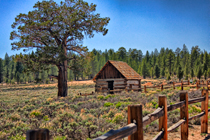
118, 105
118, 118
107, 104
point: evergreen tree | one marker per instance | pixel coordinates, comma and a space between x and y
192, 73
170, 61
144, 69
157, 71
199, 72
205, 74
152, 72
162, 72
208, 73
56, 29
1, 70
179, 72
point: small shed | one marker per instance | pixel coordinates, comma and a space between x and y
116, 76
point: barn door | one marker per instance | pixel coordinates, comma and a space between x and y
110, 86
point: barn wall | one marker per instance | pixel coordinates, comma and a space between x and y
102, 84
133, 85
109, 71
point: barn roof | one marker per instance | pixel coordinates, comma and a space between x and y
123, 68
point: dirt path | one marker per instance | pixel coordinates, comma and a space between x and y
194, 134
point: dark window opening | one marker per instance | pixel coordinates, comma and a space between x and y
111, 86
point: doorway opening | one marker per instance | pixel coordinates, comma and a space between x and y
111, 86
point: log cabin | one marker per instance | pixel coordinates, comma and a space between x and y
116, 76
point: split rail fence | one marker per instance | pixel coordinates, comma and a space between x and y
182, 84
134, 129
136, 121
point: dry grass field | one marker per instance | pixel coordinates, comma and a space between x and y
25, 107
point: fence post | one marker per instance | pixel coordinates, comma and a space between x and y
174, 85
161, 86
184, 115
188, 82
139, 84
38, 134
163, 119
181, 85
197, 85
204, 107
135, 113
207, 84
145, 88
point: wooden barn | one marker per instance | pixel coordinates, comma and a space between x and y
116, 76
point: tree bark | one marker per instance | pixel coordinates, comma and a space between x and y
62, 80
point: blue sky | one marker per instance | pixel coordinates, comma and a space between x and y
140, 24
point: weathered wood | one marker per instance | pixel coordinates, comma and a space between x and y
140, 84
135, 113
173, 85
182, 85
161, 87
112, 79
119, 83
133, 82
38, 134
175, 106
153, 116
184, 115
120, 133
204, 107
145, 88
163, 120
166, 87
197, 116
197, 87
159, 136
176, 125
119, 86
195, 100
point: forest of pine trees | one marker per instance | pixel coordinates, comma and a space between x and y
165, 63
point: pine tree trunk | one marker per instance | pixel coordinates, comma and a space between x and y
62, 80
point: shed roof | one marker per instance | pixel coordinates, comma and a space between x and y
123, 68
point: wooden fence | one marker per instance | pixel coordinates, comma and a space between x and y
134, 129
182, 84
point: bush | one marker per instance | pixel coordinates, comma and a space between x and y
108, 104
118, 118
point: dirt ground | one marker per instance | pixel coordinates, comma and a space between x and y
194, 134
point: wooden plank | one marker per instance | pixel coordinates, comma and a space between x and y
195, 100
120, 133
204, 107
119, 86
197, 116
135, 113
119, 83
166, 87
112, 79
99, 84
159, 112
133, 82
176, 125
159, 136
184, 115
175, 106
163, 120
